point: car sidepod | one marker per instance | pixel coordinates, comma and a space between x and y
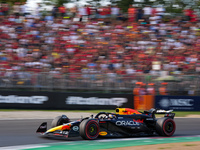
126, 125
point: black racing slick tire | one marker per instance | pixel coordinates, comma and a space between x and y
89, 129
165, 126
59, 120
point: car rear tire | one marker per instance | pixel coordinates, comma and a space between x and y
165, 126
89, 129
59, 120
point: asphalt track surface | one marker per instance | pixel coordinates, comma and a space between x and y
22, 132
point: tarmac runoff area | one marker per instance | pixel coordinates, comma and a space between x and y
11, 115
23, 137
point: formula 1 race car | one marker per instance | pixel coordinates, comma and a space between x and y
125, 122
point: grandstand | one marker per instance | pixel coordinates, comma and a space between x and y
101, 50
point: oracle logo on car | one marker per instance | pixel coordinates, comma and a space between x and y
117, 101
126, 123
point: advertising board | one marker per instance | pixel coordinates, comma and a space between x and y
61, 100
182, 103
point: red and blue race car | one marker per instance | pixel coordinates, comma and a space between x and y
125, 122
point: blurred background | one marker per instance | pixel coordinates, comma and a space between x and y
140, 47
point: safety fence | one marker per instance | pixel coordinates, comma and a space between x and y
185, 85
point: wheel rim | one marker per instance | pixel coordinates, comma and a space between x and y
169, 127
92, 130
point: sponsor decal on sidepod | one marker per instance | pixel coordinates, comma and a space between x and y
75, 128
103, 133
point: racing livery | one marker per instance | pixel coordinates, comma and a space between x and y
125, 122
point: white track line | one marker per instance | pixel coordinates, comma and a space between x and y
21, 147
121, 139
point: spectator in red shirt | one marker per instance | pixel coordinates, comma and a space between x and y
62, 10
131, 13
188, 13
88, 9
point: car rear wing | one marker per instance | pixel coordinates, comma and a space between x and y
167, 113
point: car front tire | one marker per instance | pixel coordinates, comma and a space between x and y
89, 129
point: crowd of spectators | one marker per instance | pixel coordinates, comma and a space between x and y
91, 41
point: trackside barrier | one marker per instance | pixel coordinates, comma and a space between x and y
62, 100
143, 102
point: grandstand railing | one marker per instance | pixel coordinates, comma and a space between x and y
188, 84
